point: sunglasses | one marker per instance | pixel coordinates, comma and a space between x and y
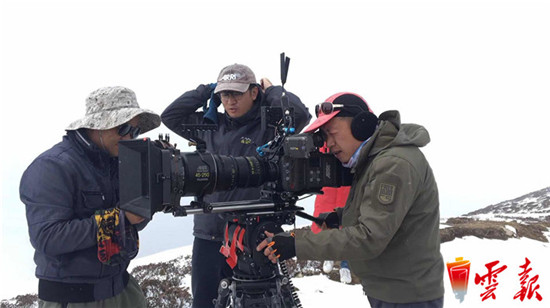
328, 108
126, 129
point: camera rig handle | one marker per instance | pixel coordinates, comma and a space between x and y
304, 215
191, 132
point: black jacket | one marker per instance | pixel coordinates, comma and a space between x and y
62, 189
235, 136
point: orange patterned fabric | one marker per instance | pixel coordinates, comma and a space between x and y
116, 238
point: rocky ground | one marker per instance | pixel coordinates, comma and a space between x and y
502, 230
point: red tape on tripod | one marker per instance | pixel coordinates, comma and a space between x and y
230, 253
224, 250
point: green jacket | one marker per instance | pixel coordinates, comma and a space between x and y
390, 224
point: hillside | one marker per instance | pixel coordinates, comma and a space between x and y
529, 208
526, 216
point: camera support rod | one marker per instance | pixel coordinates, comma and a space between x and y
220, 207
250, 206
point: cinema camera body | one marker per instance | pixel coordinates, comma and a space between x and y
154, 175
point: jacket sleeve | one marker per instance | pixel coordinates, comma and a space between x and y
301, 113
47, 190
184, 109
385, 200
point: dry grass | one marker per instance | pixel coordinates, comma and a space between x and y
462, 226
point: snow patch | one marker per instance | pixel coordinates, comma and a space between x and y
512, 229
528, 200
319, 291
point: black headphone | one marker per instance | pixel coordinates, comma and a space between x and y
364, 123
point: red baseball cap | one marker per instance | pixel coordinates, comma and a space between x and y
353, 104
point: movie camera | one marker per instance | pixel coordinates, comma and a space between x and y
154, 176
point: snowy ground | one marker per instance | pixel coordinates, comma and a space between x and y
319, 291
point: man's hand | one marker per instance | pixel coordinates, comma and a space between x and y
330, 220
265, 83
205, 91
133, 218
278, 247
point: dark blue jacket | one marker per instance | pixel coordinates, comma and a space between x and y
235, 136
62, 189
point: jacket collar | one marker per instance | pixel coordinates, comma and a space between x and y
391, 133
97, 156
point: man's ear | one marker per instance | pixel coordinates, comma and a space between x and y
92, 134
254, 92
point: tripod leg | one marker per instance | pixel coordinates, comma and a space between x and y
223, 294
290, 298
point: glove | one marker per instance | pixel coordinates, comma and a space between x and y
117, 239
211, 112
204, 92
283, 245
330, 219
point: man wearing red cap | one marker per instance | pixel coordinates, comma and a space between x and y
390, 223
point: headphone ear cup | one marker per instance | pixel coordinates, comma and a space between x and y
363, 125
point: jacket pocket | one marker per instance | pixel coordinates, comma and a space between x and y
93, 200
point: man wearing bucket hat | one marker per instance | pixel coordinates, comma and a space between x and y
83, 243
390, 223
240, 131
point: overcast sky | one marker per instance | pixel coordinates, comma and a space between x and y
476, 74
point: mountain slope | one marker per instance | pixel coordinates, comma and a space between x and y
532, 207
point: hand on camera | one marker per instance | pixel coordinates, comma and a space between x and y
265, 83
330, 220
133, 218
278, 247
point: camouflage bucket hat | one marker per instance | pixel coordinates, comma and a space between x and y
112, 106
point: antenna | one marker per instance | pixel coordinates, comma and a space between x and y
285, 62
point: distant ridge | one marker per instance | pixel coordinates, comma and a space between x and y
531, 207
526, 216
